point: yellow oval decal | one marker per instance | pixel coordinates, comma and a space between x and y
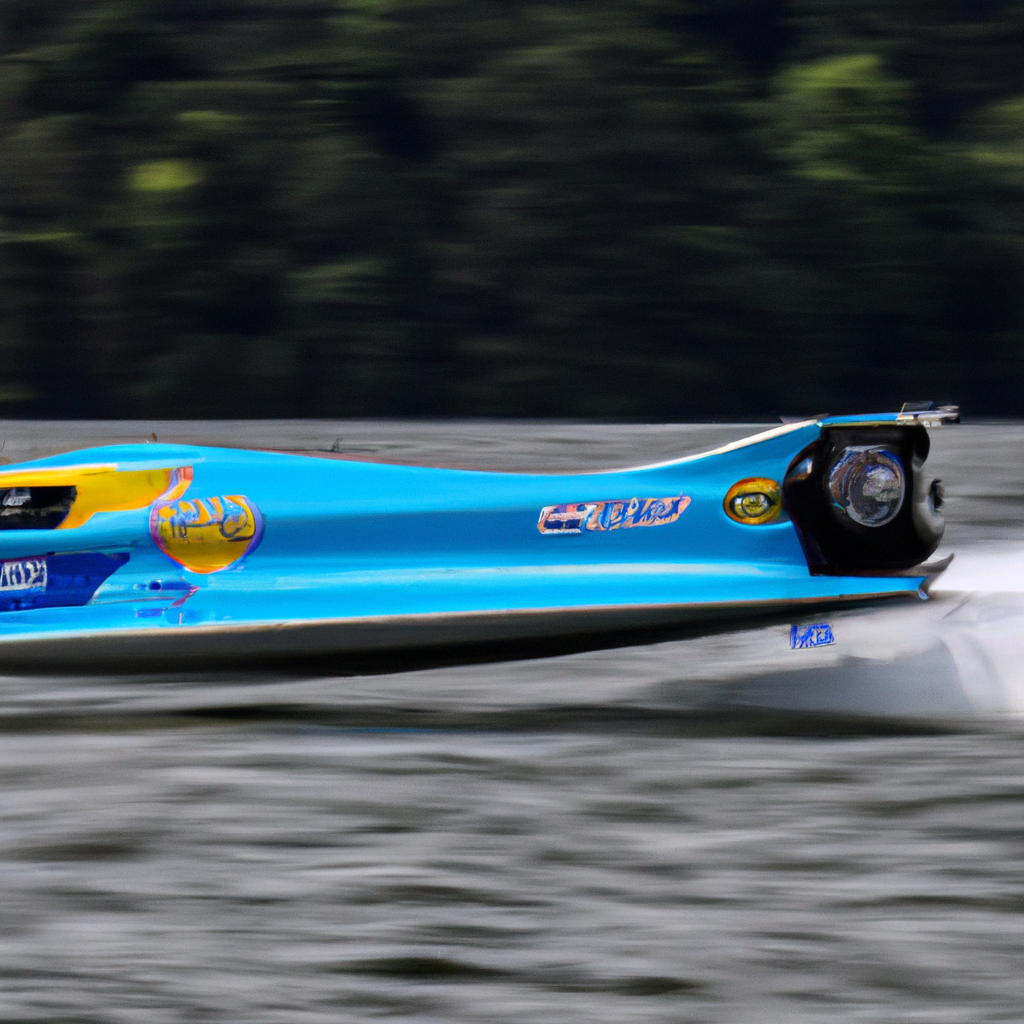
754, 501
207, 534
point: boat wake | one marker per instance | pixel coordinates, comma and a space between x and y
957, 656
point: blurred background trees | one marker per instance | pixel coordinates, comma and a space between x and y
636, 208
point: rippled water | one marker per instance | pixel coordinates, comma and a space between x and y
701, 830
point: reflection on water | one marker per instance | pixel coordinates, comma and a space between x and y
714, 829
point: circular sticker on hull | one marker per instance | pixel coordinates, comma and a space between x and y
207, 534
754, 501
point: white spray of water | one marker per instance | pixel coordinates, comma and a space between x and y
961, 653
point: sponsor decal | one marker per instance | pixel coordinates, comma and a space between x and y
817, 635
55, 581
599, 516
207, 534
754, 501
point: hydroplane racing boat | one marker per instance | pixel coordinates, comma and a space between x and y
152, 554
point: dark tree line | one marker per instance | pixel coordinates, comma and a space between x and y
510, 207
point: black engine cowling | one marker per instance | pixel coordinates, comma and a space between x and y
837, 534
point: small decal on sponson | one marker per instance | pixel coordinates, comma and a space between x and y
817, 635
754, 501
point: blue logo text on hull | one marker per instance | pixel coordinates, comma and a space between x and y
817, 635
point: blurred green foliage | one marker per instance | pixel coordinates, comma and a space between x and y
510, 207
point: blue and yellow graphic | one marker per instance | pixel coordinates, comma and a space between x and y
207, 534
94, 488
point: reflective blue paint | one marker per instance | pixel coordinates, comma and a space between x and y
349, 540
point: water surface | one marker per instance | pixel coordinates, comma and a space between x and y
702, 830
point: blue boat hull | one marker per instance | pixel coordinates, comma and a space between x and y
171, 553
